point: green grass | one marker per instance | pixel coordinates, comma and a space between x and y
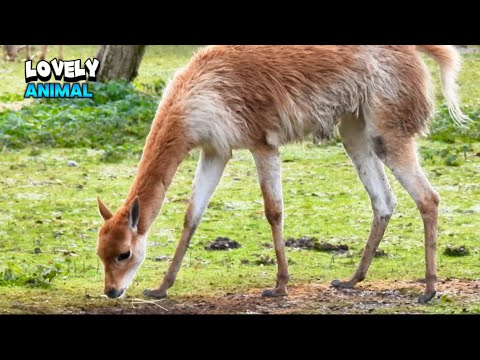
47, 205
116, 120
49, 220
159, 62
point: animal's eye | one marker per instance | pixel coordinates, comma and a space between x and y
123, 256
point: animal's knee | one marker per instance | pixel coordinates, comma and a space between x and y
391, 204
273, 216
192, 217
429, 204
385, 212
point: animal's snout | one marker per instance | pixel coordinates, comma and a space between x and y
113, 293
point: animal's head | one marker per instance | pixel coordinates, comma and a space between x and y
120, 247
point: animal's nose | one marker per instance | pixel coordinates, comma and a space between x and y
113, 293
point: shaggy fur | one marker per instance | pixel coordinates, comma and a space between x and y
260, 97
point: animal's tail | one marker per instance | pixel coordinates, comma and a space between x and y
449, 61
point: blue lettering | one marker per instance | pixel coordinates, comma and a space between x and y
30, 91
86, 94
62, 91
43, 90
75, 90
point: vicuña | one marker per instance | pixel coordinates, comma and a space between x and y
261, 97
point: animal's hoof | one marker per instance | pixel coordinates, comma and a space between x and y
156, 294
337, 284
274, 293
425, 298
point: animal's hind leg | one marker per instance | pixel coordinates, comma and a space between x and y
372, 174
400, 155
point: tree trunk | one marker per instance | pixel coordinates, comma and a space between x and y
119, 61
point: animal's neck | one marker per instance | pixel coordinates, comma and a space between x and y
164, 150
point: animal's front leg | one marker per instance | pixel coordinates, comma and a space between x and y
208, 174
269, 175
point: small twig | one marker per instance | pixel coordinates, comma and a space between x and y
152, 302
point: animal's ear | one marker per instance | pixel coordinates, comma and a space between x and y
134, 214
102, 209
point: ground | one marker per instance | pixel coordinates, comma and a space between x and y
379, 297
49, 223
50, 220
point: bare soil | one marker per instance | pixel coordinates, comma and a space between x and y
369, 297
311, 243
222, 243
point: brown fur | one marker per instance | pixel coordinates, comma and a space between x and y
267, 77
441, 54
259, 97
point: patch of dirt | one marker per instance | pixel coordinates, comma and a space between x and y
311, 243
378, 253
162, 258
222, 243
456, 251
265, 260
304, 242
369, 297
327, 247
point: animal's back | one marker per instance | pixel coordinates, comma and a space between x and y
236, 96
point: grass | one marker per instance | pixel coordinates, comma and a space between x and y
158, 62
49, 220
49, 206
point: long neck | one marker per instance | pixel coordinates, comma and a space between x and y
164, 150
